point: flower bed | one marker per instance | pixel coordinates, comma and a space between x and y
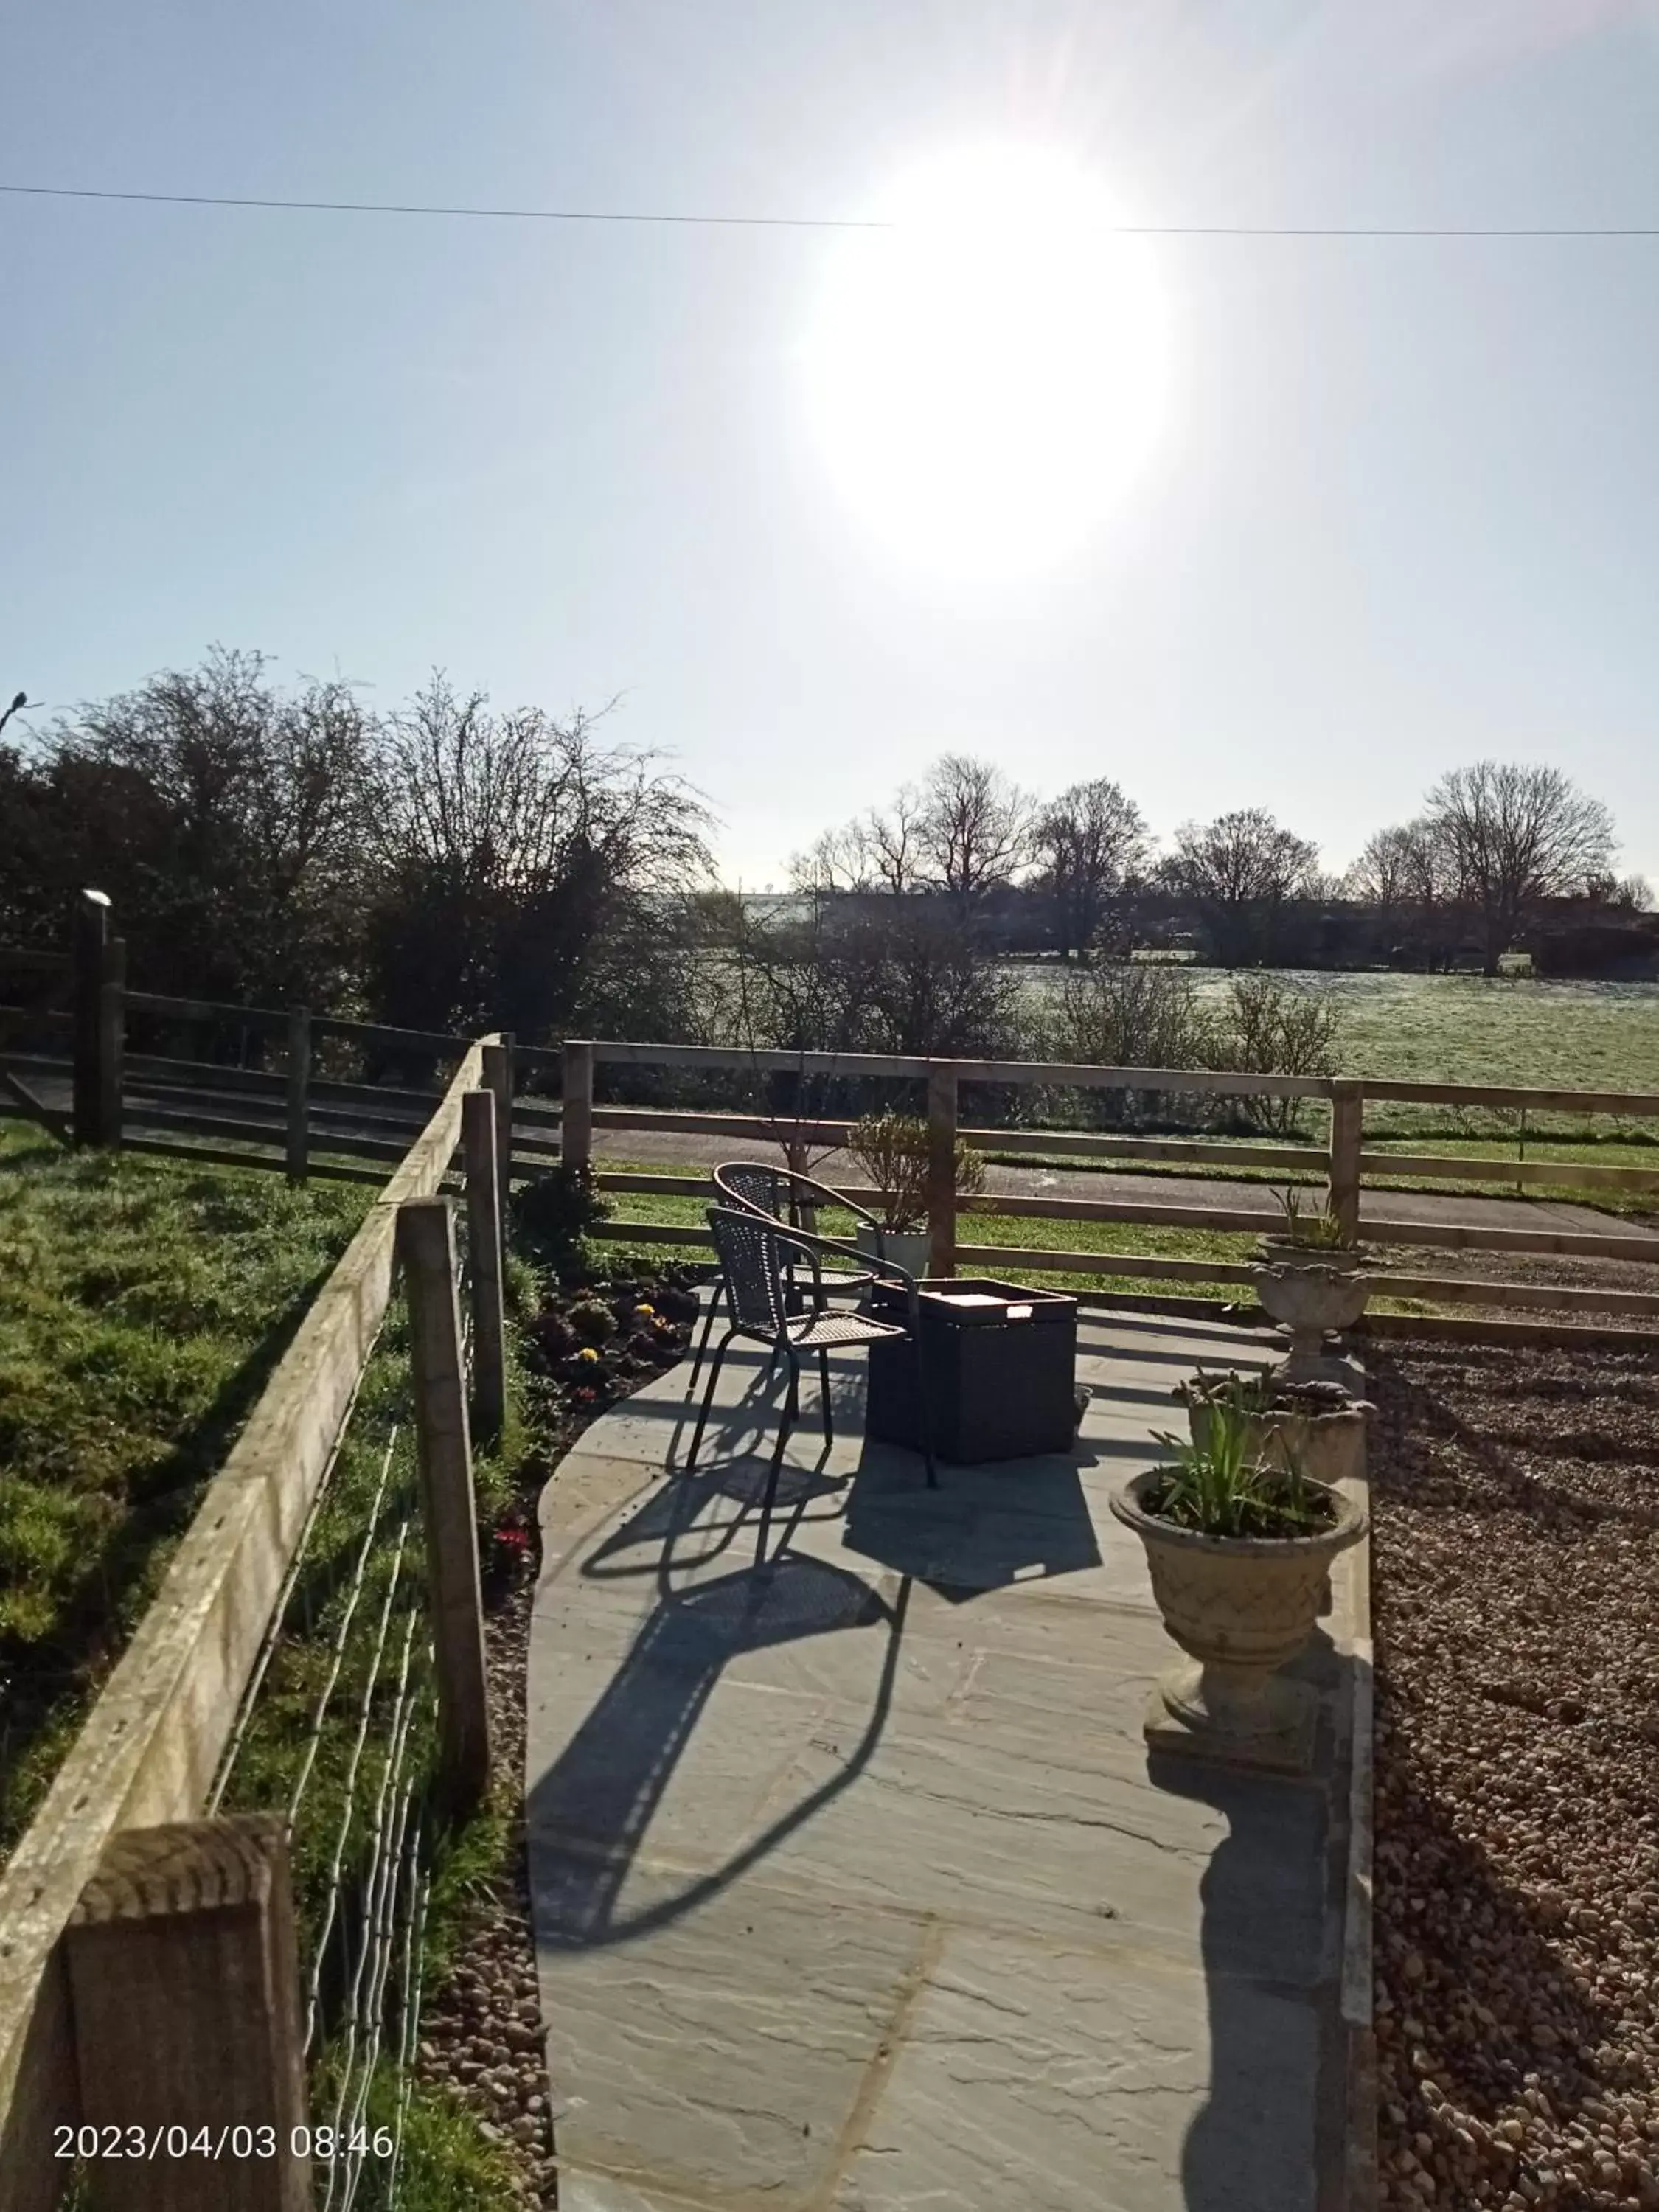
1517, 1612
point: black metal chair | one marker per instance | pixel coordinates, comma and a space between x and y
753, 1267
784, 1195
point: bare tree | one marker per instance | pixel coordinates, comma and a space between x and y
965, 829
533, 876
880, 851
1088, 841
838, 860
1238, 871
1384, 875
974, 828
893, 843
1517, 836
230, 820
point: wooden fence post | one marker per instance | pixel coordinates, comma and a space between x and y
184, 1974
577, 1103
1348, 1131
498, 1081
941, 1171
111, 1041
90, 938
426, 1246
299, 1092
484, 1238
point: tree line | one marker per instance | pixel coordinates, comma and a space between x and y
448, 865
445, 866
1495, 847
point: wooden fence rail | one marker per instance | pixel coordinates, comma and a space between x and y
294, 1119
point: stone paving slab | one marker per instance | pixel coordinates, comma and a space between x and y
1053, 2078
854, 1889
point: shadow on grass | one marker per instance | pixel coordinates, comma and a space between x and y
41, 1680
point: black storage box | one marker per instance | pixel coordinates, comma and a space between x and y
1002, 1370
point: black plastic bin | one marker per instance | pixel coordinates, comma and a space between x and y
1002, 1370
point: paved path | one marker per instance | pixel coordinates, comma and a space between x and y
672, 1149
854, 1892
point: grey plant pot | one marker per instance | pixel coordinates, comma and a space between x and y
905, 1248
1327, 1445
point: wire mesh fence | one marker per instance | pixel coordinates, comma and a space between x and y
339, 1730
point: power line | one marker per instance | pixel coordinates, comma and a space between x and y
818, 222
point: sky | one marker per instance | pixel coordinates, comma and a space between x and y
1400, 509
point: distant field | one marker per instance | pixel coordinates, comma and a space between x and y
1505, 1028
1509, 1029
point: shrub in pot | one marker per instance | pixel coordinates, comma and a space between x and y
892, 1150
1238, 1551
1317, 1427
1311, 1280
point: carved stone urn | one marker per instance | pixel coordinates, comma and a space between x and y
1317, 1426
1312, 1303
1241, 1608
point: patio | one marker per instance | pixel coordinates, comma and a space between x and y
852, 1887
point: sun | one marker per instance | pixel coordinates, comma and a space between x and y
988, 378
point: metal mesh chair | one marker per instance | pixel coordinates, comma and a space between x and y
756, 1256
783, 1195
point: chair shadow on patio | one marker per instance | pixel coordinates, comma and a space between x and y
653, 1540
593, 1805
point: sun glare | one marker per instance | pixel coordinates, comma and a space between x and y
990, 378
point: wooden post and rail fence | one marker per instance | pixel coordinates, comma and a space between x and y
302, 1122
148, 1973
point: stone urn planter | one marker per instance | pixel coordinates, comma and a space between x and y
1312, 1303
1292, 1252
1317, 1426
1240, 1607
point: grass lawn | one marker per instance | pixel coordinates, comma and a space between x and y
143, 1305
1510, 1029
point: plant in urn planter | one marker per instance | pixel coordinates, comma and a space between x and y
1317, 1426
1309, 1240
1238, 1551
892, 1150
